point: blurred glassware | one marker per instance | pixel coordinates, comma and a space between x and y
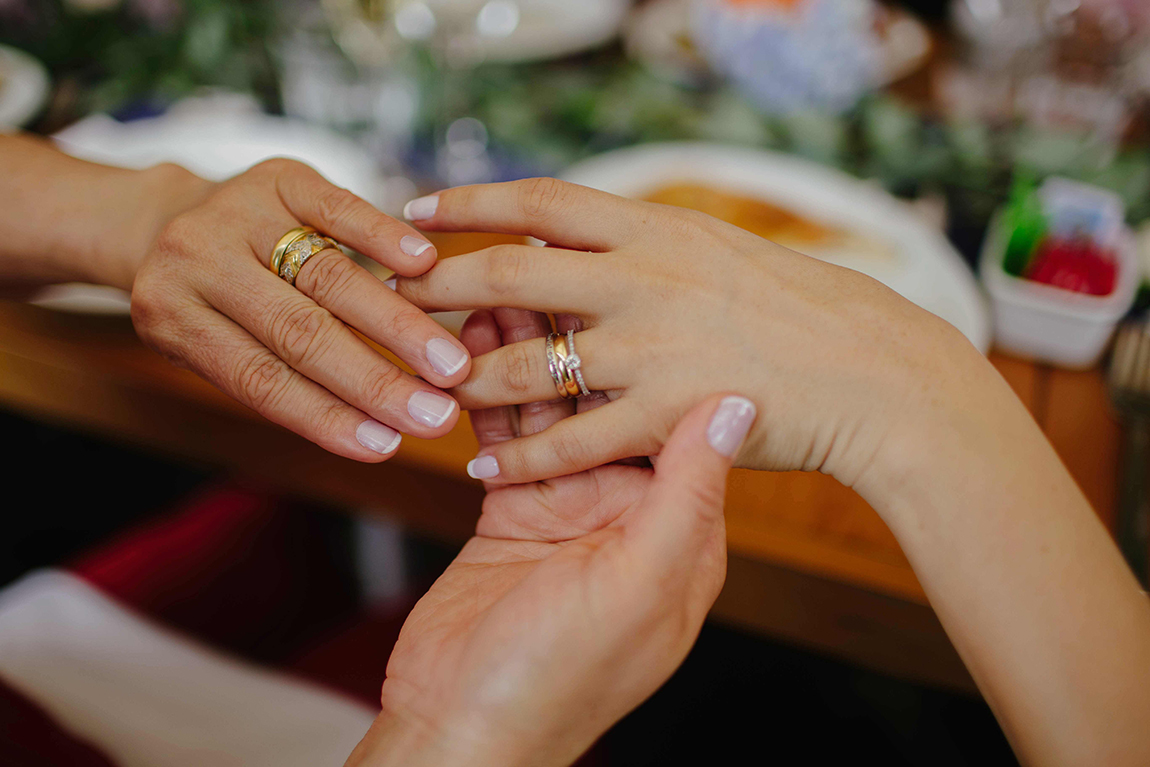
457, 36
788, 55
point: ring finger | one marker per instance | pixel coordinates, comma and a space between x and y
518, 373
317, 344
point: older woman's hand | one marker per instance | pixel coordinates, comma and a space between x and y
203, 296
574, 601
674, 304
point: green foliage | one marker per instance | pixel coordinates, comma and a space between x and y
144, 49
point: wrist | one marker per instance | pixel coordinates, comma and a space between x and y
156, 196
966, 429
399, 736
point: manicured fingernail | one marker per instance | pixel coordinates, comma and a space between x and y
430, 409
730, 424
413, 246
445, 357
483, 467
421, 208
375, 436
390, 283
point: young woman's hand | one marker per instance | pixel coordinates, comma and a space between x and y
674, 304
204, 297
574, 601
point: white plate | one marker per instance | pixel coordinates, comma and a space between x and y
926, 269
551, 29
215, 137
24, 86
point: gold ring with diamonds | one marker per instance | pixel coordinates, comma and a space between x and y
555, 368
295, 248
563, 356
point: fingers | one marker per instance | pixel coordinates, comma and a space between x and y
353, 294
517, 325
685, 500
245, 369
575, 444
315, 201
493, 425
517, 373
312, 341
539, 279
556, 212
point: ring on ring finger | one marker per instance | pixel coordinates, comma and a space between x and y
295, 248
565, 365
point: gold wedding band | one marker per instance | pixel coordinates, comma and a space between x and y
565, 365
295, 248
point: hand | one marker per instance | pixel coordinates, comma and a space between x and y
574, 601
203, 296
675, 304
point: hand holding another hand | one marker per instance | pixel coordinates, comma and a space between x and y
575, 600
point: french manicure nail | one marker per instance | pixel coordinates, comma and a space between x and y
413, 246
730, 424
445, 357
375, 436
483, 467
421, 208
390, 283
430, 409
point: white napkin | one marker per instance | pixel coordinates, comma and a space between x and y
147, 697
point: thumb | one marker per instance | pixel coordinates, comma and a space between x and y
685, 500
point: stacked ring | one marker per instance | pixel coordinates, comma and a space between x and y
295, 248
565, 365
575, 364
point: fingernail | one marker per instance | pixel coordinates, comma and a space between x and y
390, 283
414, 246
421, 208
730, 424
483, 467
430, 409
445, 357
375, 436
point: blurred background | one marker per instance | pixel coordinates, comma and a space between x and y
988, 159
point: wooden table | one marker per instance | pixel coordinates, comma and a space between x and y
810, 562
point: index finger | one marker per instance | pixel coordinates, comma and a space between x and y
557, 212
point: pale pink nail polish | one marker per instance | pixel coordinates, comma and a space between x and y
413, 246
445, 357
375, 436
421, 208
430, 409
730, 424
483, 467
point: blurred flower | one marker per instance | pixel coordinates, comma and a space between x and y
91, 6
158, 14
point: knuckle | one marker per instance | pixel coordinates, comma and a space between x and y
505, 270
275, 166
570, 451
381, 384
297, 329
261, 379
336, 206
328, 418
327, 277
540, 197
406, 323
519, 370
